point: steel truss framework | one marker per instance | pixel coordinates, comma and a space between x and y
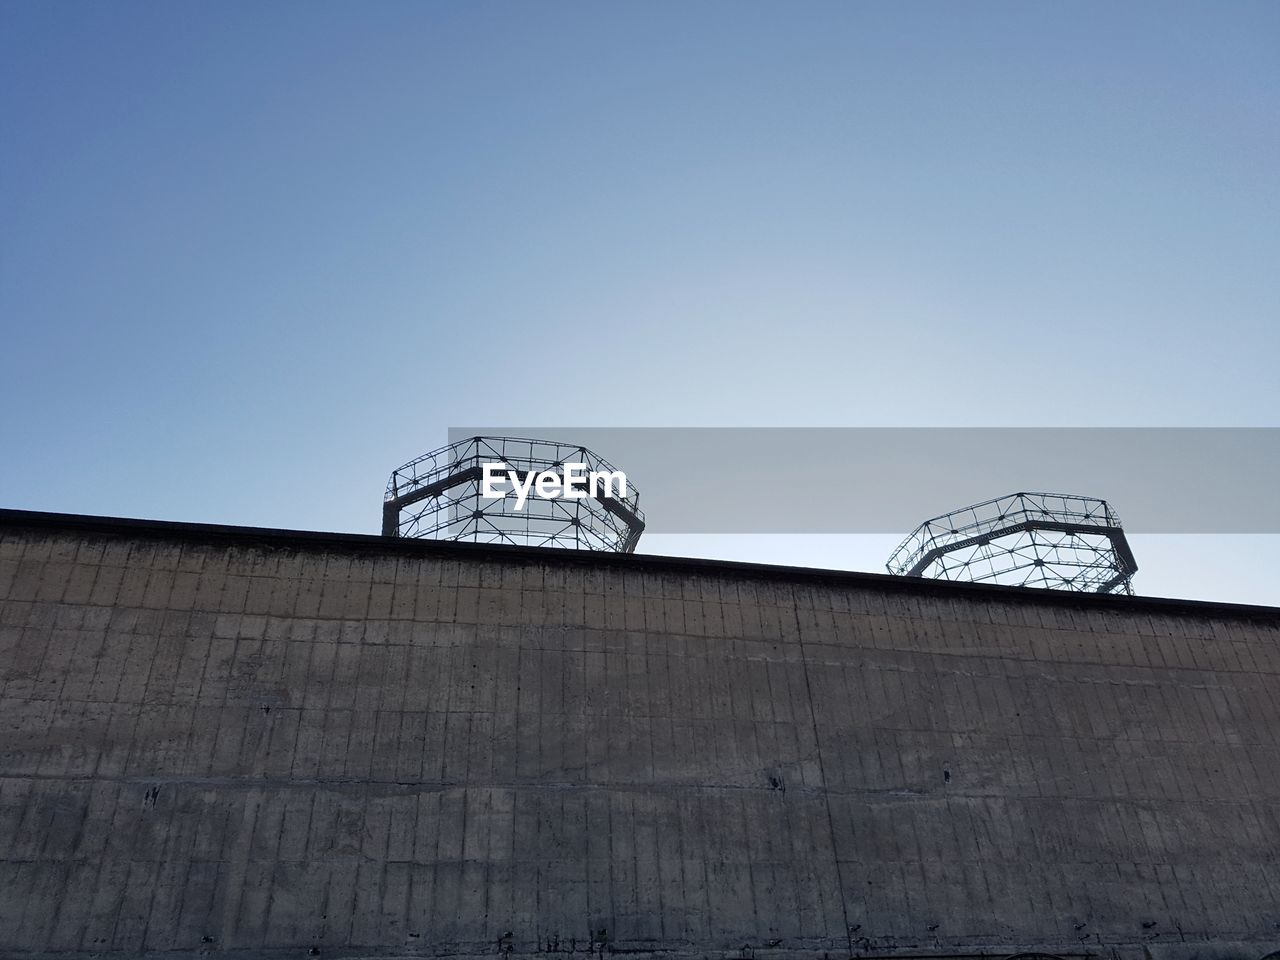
1053, 540
438, 497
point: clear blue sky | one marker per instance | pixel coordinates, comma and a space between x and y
254, 256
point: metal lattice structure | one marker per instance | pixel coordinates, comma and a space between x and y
438, 496
1052, 540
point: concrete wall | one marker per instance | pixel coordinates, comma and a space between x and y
225, 741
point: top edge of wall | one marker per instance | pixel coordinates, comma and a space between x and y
367, 544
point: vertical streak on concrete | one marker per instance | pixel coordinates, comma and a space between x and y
822, 770
237, 863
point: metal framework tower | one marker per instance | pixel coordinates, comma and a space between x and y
1053, 540
438, 496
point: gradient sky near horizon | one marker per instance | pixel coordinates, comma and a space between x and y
255, 256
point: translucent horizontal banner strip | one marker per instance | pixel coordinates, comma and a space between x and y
891, 479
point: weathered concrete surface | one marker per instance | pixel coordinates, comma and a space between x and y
238, 742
